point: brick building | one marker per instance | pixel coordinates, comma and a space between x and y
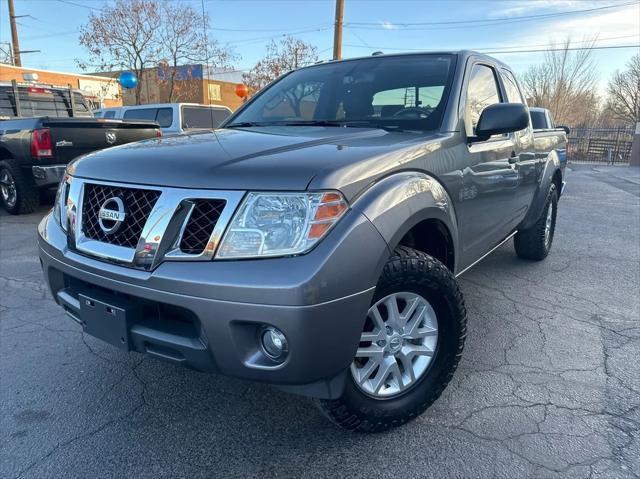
191, 84
100, 91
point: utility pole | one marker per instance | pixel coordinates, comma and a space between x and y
14, 35
337, 32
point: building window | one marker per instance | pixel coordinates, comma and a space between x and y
214, 92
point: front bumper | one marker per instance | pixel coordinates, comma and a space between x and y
48, 175
208, 315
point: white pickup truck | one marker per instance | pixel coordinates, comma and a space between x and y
173, 118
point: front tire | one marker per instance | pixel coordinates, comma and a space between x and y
535, 243
410, 346
18, 192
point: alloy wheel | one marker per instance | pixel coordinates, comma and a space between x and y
8, 188
397, 345
548, 224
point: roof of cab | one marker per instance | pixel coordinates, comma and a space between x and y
462, 55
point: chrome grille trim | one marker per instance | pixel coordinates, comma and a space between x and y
199, 226
139, 203
163, 230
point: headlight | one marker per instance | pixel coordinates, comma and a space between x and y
280, 224
60, 205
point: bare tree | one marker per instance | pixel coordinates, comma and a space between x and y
139, 34
183, 40
623, 93
565, 83
6, 55
289, 54
123, 36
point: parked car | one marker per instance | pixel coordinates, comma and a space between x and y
173, 118
544, 127
42, 130
314, 241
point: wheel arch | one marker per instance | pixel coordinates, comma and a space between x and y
413, 209
551, 173
5, 154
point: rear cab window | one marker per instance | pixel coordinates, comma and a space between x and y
202, 117
7, 106
38, 101
163, 116
538, 119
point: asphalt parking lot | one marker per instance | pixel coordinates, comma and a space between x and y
549, 383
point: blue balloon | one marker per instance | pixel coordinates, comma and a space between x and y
128, 80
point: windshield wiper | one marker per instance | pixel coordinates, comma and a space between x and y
336, 123
245, 124
342, 123
345, 124
315, 123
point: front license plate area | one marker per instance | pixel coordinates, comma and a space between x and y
105, 321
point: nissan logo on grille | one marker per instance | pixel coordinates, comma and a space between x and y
111, 215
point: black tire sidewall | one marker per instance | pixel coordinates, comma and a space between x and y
530, 243
11, 209
552, 202
27, 193
436, 284
444, 355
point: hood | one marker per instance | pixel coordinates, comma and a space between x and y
264, 158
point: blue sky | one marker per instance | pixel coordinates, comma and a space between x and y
387, 25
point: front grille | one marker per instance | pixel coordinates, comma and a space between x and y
200, 225
138, 204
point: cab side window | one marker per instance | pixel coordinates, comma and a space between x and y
482, 91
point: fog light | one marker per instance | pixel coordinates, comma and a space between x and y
274, 343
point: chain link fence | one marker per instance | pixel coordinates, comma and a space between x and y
600, 145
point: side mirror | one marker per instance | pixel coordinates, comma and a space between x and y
502, 118
566, 129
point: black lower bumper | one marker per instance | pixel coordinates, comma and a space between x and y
154, 329
48, 175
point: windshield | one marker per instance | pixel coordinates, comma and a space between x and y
406, 92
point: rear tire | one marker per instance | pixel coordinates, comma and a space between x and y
535, 243
18, 192
413, 274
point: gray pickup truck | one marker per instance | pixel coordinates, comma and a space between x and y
313, 242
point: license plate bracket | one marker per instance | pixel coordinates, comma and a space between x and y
105, 321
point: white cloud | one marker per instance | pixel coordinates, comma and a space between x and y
611, 27
521, 8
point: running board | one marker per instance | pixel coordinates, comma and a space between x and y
487, 253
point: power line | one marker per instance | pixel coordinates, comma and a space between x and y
249, 41
68, 2
458, 24
564, 49
499, 20
513, 51
496, 47
268, 29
